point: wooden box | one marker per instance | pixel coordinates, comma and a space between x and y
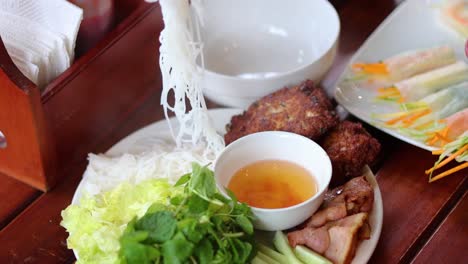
46, 132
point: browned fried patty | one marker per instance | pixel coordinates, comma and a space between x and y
350, 148
304, 109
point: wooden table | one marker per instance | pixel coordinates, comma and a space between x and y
423, 223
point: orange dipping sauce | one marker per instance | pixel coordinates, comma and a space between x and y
273, 184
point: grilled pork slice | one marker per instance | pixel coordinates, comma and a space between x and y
353, 197
327, 214
343, 235
316, 239
365, 231
337, 240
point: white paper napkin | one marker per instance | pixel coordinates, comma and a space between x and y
40, 35
59, 16
13, 39
30, 70
27, 55
24, 39
32, 31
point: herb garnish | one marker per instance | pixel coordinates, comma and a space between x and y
197, 226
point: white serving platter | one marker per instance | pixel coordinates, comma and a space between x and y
414, 24
220, 117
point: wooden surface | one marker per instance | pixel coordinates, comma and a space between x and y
453, 233
82, 114
422, 222
412, 207
29, 155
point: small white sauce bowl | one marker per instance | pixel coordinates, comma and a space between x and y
253, 48
277, 145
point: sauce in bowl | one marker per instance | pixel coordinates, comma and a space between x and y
273, 184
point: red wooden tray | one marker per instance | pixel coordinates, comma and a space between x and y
45, 132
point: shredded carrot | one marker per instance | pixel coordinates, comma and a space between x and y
451, 171
396, 119
431, 141
437, 152
373, 68
409, 117
389, 97
447, 160
422, 126
387, 89
363, 65
409, 121
390, 115
441, 137
389, 93
377, 66
445, 132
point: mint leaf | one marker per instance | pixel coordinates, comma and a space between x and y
183, 180
204, 252
161, 226
235, 253
177, 250
136, 253
135, 236
189, 227
245, 224
222, 257
202, 182
242, 209
177, 200
197, 205
221, 198
242, 249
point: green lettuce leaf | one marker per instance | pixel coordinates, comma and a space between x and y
97, 223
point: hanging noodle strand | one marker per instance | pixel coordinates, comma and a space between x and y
180, 46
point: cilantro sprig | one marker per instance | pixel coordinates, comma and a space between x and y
198, 225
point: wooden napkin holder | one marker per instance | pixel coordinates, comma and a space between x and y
47, 132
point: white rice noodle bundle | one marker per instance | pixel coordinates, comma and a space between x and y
180, 47
163, 160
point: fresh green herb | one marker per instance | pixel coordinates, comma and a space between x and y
198, 225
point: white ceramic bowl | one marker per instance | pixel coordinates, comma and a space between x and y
277, 145
254, 47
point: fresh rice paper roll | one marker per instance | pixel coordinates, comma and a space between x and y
408, 64
454, 127
448, 101
441, 104
400, 67
422, 85
455, 14
427, 112
457, 124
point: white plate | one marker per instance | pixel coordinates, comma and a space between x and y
220, 118
415, 24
